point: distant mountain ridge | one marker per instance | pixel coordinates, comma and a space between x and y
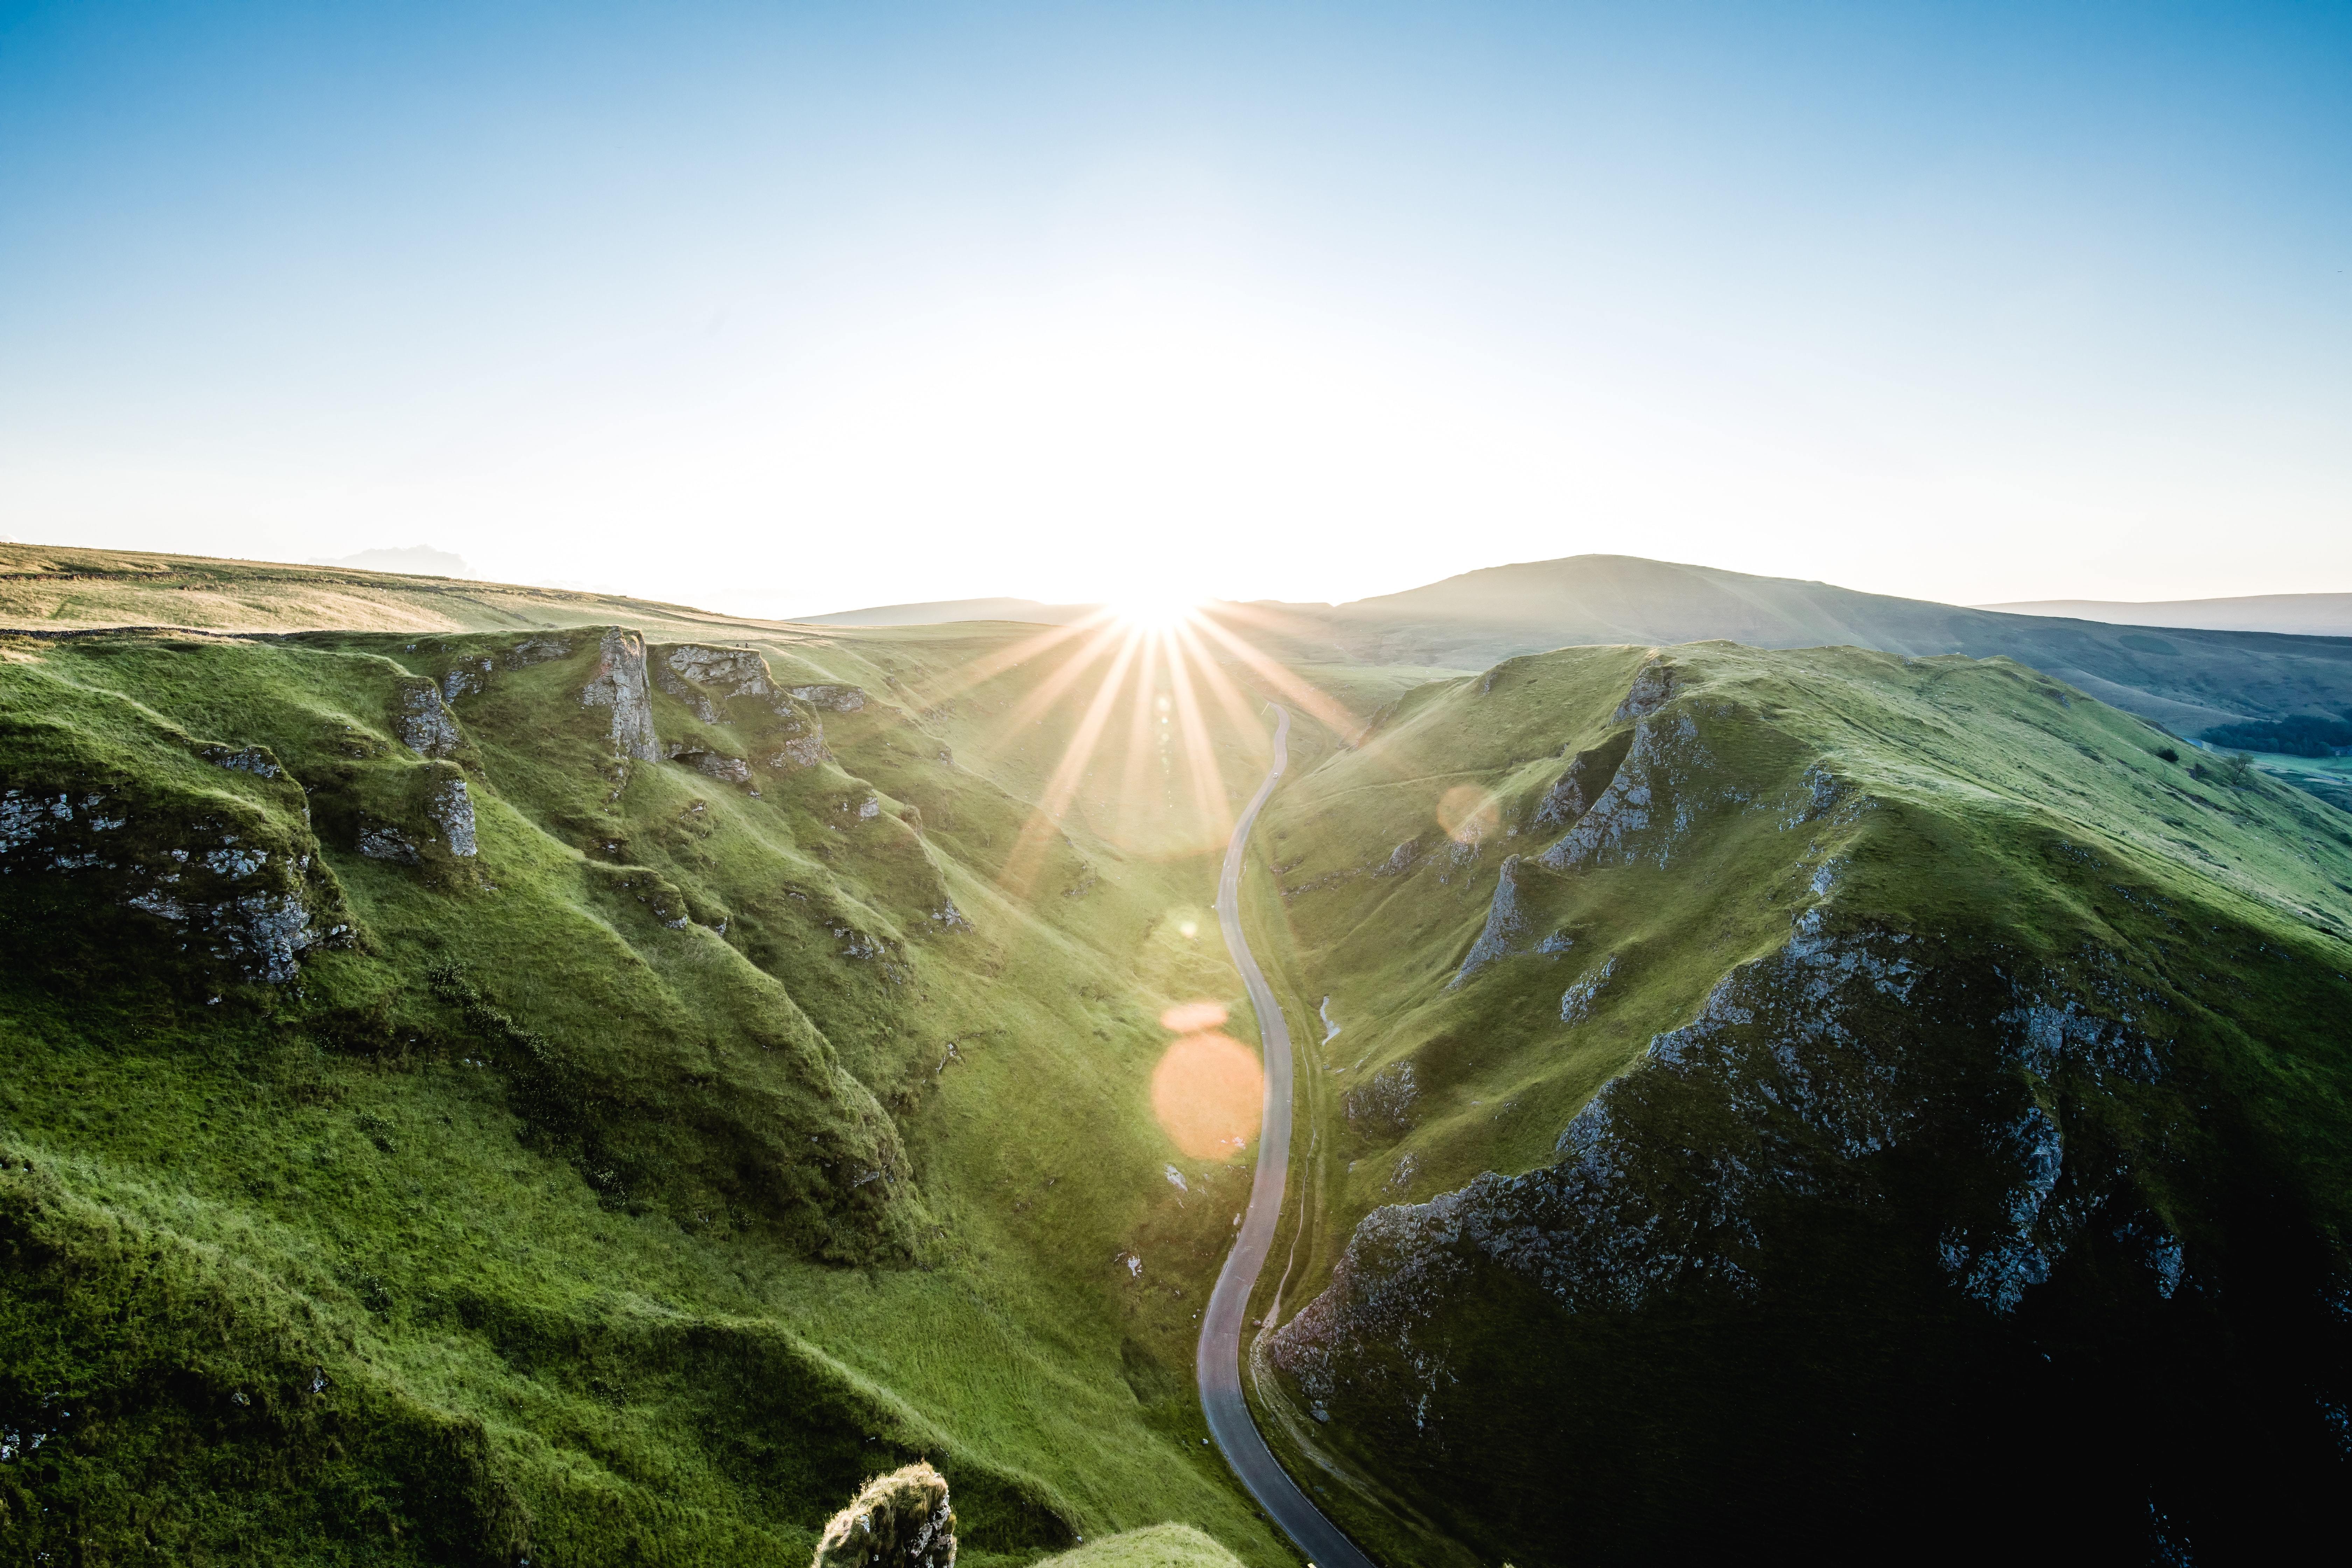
943, 611
2188, 680
2308, 615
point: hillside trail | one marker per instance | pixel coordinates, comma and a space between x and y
1218, 1363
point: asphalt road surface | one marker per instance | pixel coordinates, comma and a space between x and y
1219, 1362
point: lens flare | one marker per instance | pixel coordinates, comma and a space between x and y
1208, 1091
1192, 1018
1148, 609
1135, 713
1468, 814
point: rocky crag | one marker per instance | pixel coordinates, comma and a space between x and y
1948, 1090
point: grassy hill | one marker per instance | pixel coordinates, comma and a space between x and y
1824, 1101
51, 589
1160, 1546
485, 1094
2185, 680
500, 1072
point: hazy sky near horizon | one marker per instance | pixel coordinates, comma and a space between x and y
785, 309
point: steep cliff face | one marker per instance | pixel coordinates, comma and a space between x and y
1876, 1081
619, 687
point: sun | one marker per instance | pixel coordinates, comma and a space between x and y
1148, 609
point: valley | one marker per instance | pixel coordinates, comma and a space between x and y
529, 1074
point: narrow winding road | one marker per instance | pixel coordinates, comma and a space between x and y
1219, 1363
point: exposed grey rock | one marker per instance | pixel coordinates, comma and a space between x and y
273, 930
1797, 1071
1565, 801
1400, 860
1575, 791
426, 726
254, 759
619, 684
857, 944
238, 903
805, 752
1651, 690
1623, 807
950, 917
691, 672
1818, 791
1576, 1003
467, 675
388, 843
837, 699
25, 819
1662, 763
712, 765
1503, 923
452, 810
1386, 1102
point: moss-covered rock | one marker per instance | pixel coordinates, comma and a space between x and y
899, 1521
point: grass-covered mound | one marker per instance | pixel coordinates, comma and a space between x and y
1818, 1101
1156, 1546
541, 1094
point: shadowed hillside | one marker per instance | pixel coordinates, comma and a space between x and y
1823, 1101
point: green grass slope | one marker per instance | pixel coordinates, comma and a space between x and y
1821, 1100
49, 588
1158, 1546
527, 1093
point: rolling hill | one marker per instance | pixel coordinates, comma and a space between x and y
2186, 680
496, 1071
1825, 1101
540, 1093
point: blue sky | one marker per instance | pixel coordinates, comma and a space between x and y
788, 308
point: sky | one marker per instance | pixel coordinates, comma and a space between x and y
784, 309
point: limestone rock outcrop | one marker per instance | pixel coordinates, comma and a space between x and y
619, 684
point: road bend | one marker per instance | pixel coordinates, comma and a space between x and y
1219, 1363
